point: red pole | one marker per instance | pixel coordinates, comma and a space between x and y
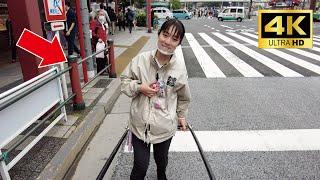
81, 40
149, 15
116, 6
113, 73
78, 103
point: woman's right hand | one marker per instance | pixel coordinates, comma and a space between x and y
147, 90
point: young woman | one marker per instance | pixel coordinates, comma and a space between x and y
157, 82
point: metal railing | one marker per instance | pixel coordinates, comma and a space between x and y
5, 154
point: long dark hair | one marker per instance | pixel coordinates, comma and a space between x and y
179, 28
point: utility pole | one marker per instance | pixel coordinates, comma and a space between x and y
84, 35
250, 5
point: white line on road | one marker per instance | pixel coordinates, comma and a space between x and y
316, 39
295, 50
179, 55
209, 68
226, 26
316, 36
245, 69
277, 67
286, 56
252, 140
212, 28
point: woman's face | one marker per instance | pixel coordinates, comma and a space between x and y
168, 41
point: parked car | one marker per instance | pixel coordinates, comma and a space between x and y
162, 12
232, 13
181, 14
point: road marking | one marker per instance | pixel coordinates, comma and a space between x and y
316, 39
286, 56
209, 68
252, 140
212, 28
316, 36
277, 67
226, 26
180, 57
245, 69
295, 50
218, 30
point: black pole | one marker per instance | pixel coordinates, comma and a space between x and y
114, 152
208, 167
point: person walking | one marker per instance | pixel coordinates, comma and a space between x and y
11, 42
113, 19
71, 29
99, 30
157, 82
130, 18
121, 20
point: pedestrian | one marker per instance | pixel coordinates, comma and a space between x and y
105, 13
121, 20
100, 57
11, 42
113, 19
157, 83
130, 18
99, 30
71, 29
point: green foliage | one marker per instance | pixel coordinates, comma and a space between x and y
175, 4
141, 18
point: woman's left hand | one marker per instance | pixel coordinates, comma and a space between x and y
183, 123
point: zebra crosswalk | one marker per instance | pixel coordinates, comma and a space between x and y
219, 53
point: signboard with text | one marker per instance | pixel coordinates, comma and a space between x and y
285, 29
54, 10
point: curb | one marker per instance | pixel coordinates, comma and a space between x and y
64, 158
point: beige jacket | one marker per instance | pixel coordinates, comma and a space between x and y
150, 123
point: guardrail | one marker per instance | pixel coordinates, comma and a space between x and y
23, 105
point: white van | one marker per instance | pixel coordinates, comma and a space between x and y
232, 13
162, 12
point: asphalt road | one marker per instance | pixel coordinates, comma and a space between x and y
267, 115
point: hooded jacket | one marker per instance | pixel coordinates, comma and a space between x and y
154, 119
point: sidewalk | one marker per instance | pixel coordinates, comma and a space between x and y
52, 156
107, 136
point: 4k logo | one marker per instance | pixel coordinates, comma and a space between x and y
285, 29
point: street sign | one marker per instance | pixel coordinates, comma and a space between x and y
54, 10
57, 26
285, 28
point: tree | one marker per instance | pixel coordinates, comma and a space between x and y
175, 4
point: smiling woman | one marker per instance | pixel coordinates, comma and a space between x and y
160, 93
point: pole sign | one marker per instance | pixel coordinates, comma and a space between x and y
54, 10
285, 29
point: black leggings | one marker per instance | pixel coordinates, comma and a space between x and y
142, 156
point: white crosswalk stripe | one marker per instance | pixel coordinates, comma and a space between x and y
210, 69
279, 68
295, 50
252, 140
316, 36
316, 39
245, 69
226, 26
286, 56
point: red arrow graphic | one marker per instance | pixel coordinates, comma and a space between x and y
49, 52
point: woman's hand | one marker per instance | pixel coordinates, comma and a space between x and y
183, 123
147, 90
